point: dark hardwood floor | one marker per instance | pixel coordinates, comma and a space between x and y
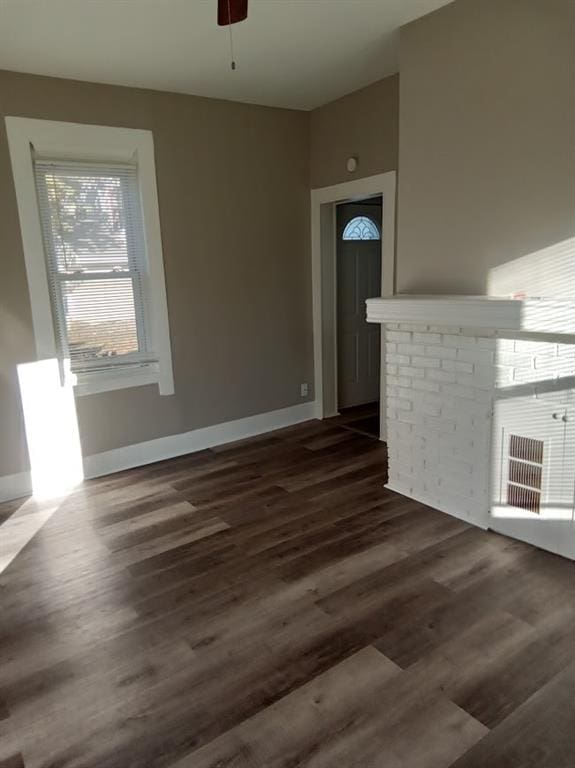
363, 419
269, 604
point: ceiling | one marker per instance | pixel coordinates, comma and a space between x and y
289, 53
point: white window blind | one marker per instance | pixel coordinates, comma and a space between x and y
96, 263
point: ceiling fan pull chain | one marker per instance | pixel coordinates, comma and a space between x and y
232, 62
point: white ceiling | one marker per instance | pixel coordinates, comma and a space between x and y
290, 53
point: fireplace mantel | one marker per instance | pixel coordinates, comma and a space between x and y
549, 316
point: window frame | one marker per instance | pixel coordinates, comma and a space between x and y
73, 141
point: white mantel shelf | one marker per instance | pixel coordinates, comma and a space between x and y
549, 316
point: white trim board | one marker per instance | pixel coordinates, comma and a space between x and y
139, 454
550, 316
74, 141
15, 486
197, 440
323, 245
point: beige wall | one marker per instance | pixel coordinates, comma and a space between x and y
487, 158
233, 184
487, 144
362, 124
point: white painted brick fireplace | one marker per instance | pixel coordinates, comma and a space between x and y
439, 388
451, 363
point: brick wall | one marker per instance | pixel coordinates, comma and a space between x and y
441, 383
544, 369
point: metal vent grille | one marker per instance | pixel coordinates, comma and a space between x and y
526, 449
525, 473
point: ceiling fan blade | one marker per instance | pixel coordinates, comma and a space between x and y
231, 11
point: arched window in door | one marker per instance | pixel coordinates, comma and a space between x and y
361, 228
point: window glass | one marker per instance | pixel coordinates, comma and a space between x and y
361, 228
94, 243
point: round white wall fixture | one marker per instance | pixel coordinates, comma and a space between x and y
351, 164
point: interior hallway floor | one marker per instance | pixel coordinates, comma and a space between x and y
270, 604
363, 419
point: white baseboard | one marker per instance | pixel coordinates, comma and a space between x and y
15, 486
197, 440
480, 523
118, 459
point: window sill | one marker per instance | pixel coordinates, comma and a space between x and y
93, 383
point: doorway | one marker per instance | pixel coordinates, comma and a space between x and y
358, 277
324, 204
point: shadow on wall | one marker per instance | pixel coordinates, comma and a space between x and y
547, 273
16, 343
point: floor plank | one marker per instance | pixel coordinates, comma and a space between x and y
269, 604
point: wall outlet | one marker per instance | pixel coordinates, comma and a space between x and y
304, 389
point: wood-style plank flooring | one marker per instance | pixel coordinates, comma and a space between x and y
270, 605
363, 419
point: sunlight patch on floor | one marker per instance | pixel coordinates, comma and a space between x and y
22, 526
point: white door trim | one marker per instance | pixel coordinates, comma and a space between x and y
323, 254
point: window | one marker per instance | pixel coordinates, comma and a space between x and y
93, 239
90, 229
361, 228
